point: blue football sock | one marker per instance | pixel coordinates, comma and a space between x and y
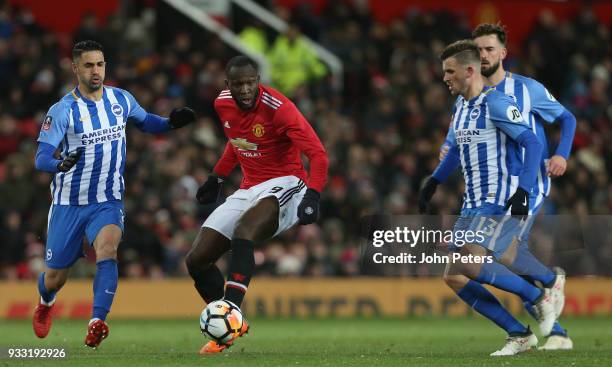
104, 287
556, 330
483, 301
501, 277
42, 289
527, 264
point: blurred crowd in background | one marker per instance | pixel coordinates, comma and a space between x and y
382, 131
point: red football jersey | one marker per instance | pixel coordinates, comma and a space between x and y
267, 140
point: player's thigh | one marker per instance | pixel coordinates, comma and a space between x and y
105, 223
536, 204
288, 191
494, 231
107, 241
65, 233
225, 217
260, 221
208, 246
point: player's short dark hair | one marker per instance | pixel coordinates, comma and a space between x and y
486, 29
464, 51
240, 61
85, 46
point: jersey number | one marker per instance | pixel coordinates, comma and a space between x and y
276, 189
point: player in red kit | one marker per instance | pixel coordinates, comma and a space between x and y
266, 136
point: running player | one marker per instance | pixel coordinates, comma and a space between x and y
88, 126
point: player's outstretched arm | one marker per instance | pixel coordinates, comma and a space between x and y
152, 123
180, 117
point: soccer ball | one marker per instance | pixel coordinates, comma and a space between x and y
221, 321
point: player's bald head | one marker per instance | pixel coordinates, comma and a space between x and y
464, 51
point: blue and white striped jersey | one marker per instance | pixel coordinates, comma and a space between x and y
98, 128
537, 106
484, 129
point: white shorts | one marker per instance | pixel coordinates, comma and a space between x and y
289, 191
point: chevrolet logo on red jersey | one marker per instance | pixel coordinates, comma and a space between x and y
243, 144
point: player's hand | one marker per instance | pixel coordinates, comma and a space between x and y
443, 152
71, 159
210, 191
556, 166
308, 210
180, 117
426, 193
519, 204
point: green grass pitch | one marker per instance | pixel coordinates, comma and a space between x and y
326, 342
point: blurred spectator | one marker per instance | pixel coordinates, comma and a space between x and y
293, 62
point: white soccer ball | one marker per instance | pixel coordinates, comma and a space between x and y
221, 321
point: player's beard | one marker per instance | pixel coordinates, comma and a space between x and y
490, 70
94, 87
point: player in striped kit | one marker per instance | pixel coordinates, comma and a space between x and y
540, 108
88, 126
486, 136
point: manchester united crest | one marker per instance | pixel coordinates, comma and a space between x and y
258, 130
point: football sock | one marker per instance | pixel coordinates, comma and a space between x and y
241, 268
527, 264
104, 287
557, 328
483, 301
47, 297
501, 277
208, 282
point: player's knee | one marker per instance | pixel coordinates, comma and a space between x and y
244, 230
455, 281
106, 249
195, 261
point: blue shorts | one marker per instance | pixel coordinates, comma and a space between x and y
68, 224
535, 207
493, 229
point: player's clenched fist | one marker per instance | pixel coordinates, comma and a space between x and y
308, 210
211, 189
180, 117
71, 159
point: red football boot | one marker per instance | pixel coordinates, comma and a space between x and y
96, 332
41, 322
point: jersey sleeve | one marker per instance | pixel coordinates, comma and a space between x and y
543, 103
505, 115
136, 112
225, 165
55, 124
290, 121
